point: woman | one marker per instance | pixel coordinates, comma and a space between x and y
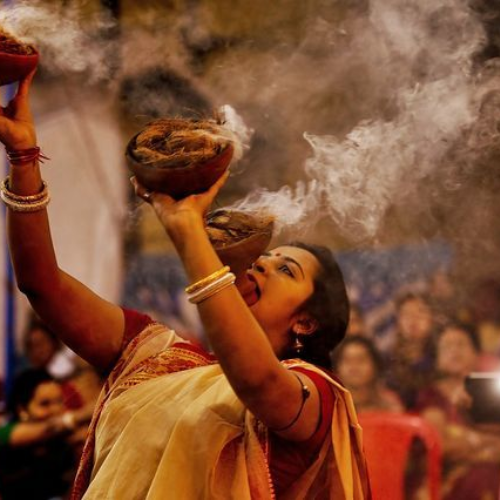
360, 366
174, 421
37, 460
471, 455
410, 362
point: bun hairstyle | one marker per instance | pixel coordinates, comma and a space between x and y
328, 305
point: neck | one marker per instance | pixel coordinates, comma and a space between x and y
413, 349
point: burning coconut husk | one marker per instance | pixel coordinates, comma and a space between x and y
17, 59
10, 45
179, 156
239, 238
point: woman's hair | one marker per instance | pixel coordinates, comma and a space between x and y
24, 388
328, 305
369, 346
402, 299
466, 329
36, 323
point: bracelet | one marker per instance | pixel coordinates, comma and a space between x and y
4, 187
212, 288
20, 156
206, 281
18, 203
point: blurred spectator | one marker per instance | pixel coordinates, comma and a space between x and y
43, 349
359, 366
410, 363
484, 307
37, 460
471, 456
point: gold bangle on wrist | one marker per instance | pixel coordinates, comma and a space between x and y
212, 288
206, 281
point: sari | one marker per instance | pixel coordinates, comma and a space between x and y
169, 425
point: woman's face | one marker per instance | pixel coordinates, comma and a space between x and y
281, 282
455, 353
415, 320
355, 367
40, 348
47, 402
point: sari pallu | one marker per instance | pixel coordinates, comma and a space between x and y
168, 425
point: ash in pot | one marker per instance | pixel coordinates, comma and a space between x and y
239, 238
9, 45
172, 143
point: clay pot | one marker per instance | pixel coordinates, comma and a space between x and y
179, 181
239, 252
14, 67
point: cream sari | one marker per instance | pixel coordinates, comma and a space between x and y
169, 426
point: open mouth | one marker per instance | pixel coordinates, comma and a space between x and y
249, 288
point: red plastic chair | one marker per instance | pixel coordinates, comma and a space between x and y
387, 440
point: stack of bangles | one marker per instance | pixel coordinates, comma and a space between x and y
206, 287
18, 203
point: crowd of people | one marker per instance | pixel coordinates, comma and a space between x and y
45, 418
423, 372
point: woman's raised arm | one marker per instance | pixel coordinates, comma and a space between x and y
88, 324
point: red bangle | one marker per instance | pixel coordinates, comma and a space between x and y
20, 156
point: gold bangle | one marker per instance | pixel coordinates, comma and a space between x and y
32, 206
206, 281
212, 288
5, 188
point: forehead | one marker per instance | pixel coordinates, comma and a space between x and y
356, 349
306, 259
454, 334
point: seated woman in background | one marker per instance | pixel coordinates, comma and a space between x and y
359, 366
410, 362
42, 349
471, 456
37, 460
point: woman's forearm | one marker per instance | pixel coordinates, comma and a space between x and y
30, 242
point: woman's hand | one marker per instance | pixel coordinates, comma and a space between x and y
180, 214
17, 130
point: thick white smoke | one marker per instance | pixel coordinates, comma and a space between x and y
424, 50
70, 41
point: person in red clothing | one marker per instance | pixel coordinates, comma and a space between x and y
257, 418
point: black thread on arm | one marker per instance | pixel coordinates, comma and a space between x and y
305, 395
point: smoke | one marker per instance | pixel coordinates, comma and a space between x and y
69, 41
374, 117
418, 56
240, 133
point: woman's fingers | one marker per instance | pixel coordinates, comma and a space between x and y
216, 187
25, 84
141, 191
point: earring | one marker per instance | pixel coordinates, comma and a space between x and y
298, 345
